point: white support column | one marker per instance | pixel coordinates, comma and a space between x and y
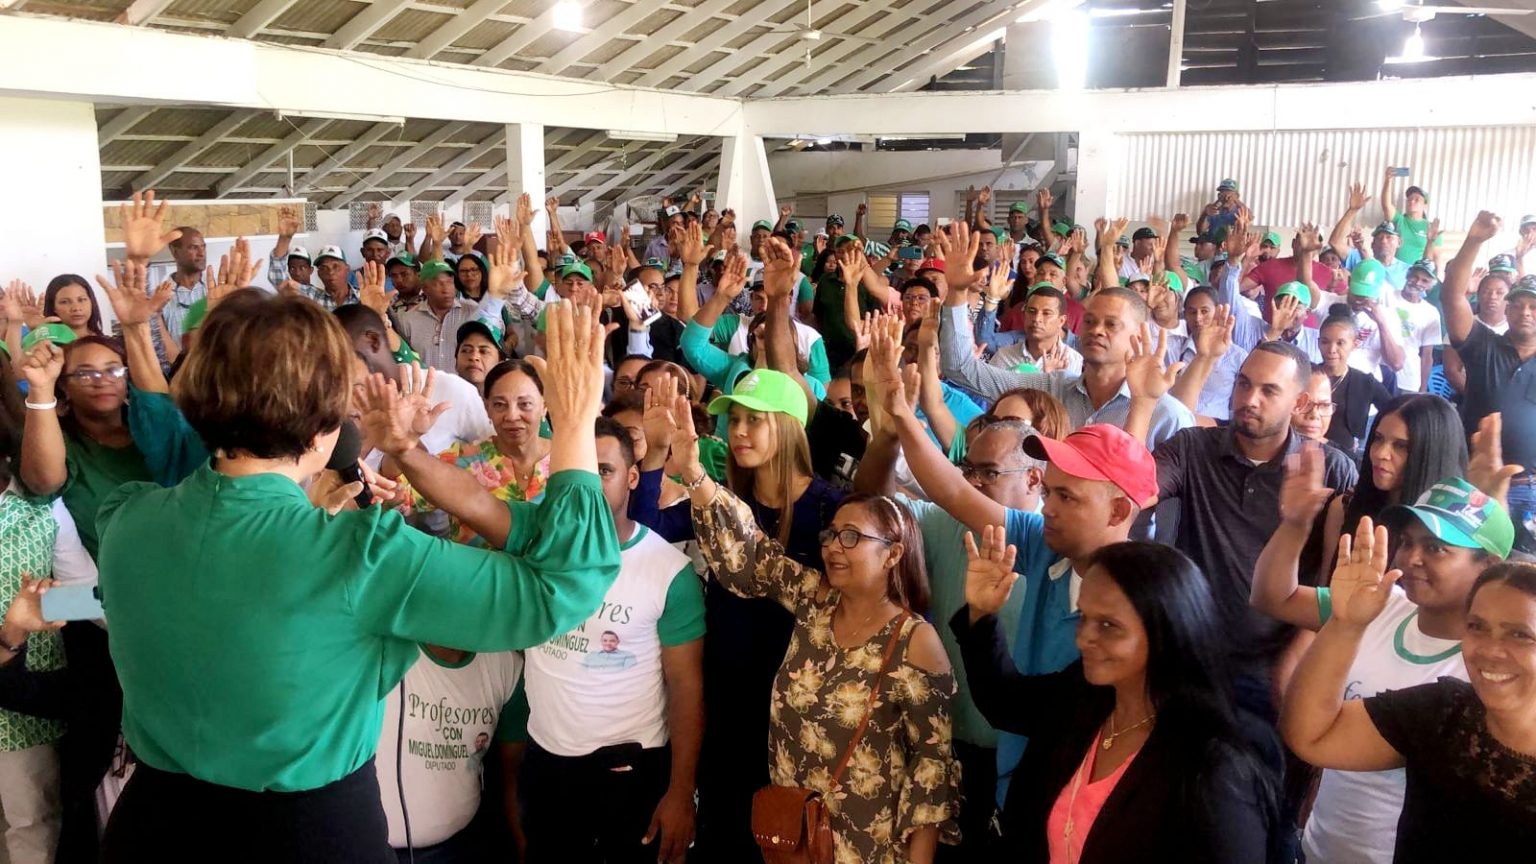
745, 184
60, 228
1098, 155
525, 171
1176, 44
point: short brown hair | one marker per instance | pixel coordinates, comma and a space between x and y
266, 375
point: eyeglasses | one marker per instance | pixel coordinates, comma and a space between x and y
1321, 409
987, 476
848, 538
95, 376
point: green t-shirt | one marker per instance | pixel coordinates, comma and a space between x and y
94, 471
255, 635
1415, 238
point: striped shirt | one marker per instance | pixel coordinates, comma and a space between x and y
434, 338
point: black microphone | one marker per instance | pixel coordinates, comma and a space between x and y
343, 461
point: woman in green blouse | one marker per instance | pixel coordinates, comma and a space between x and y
255, 634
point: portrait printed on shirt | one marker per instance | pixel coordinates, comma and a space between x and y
446, 735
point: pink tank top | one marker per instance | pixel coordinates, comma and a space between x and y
1081, 809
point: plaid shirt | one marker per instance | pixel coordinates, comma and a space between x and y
323, 297
434, 338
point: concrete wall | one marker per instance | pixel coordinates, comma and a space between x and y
52, 221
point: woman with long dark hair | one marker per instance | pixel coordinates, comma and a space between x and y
1136, 752
470, 276
861, 655
70, 299
1468, 747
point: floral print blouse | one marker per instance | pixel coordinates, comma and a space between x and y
492, 469
903, 775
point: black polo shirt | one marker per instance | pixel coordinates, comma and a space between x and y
1229, 508
1498, 380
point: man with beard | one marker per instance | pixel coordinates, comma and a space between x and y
1227, 480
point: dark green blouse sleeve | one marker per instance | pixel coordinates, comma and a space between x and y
172, 448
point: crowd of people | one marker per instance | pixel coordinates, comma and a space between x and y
781, 542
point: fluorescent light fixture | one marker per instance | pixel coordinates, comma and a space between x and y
1069, 42
568, 16
1048, 11
822, 142
663, 137
338, 115
1413, 49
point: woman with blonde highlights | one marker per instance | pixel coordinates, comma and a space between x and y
256, 633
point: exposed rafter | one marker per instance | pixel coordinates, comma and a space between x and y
365, 23
762, 17
600, 35
944, 60
126, 119
499, 173
656, 179
672, 30
270, 155
635, 170
258, 18
187, 151
458, 23
141, 11
564, 161
991, 14
363, 184
845, 23
453, 166
521, 38
311, 178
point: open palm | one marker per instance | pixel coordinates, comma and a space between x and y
1361, 583
989, 573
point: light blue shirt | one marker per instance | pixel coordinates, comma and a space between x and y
1397, 271
1215, 399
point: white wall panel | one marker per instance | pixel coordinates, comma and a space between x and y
1290, 177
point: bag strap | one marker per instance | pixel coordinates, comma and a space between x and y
874, 693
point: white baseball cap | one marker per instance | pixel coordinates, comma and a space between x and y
300, 252
331, 252
376, 234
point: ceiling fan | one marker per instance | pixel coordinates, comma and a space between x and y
810, 33
1418, 13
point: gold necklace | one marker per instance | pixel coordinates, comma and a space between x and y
1109, 738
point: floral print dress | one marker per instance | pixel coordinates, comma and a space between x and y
492, 469
903, 775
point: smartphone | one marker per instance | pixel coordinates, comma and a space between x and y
644, 307
910, 253
73, 603
1400, 172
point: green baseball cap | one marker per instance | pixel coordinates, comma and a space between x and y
1062, 227
1367, 278
1053, 258
1043, 283
903, 225
765, 390
195, 315
1526, 285
433, 269
1175, 282
1299, 290
1227, 185
576, 269
763, 224
405, 258
1019, 207
655, 264
999, 234
1272, 239
1460, 514
843, 240
58, 334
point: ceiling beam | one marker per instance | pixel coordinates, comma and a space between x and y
944, 60
126, 119
989, 15
141, 11
270, 155
563, 162
187, 151
634, 170
520, 38
365, 23
654, 179
475, 185
716, 40
649, 45
1521, 23
336, 160
363, 184
459, 22
452, 166
258, 18
576, 179
601, 35
890, 20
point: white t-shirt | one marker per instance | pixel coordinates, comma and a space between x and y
1354, 820
601, 683
1010, 356
805, 337
1420, 328
465, 421
451, 714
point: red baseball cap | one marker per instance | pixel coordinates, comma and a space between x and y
930, 264
595, 237
1102, 452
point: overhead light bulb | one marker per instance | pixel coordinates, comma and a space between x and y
1413, 49
822, 142
568, 16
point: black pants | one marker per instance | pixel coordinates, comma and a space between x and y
592, 809
978, 785
174, 817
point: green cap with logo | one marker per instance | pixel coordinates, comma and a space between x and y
765, 390
903, 225
1061, 227
55, 332
1367, 278
435, 268
1299, 290
1459, 514
1526, 285
404, 258
1175, 282
999, 234
763, 224
1043, 283
655, 264
1019, 207
576, 269
1272, 239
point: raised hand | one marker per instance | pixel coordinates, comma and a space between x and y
998, 286
1307, 239
505, 260
785, 211
375, 213
691, 246
1054, 360
370, 288
435, 230
960, 255
1215, 338
1161, 299
861, 210
144, 224
989, 573
851, 265
1302, 493
1485, 467
288, 223
734, 277
1484, 228
1358, 196
1288, 312
1145, 374
819, 244
685, 440
394, 418
659, 424
22, 304
472, 235
1044, 199
883, 368
1111, 234
572, 366
410, 234
1433, 234
984, 197
44, 365
1077, 241
1361, 582
235, 272
1179, 223
928, 330
781, 268
525, 210
130, 299
552, 204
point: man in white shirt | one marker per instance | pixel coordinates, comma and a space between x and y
1044, 345
1421, 330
